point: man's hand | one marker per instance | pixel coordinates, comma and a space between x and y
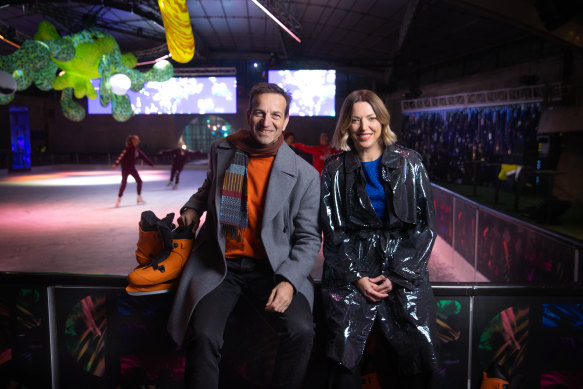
189, 216
374, 289
280, 297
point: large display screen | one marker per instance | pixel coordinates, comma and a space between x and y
179, 95
313, 91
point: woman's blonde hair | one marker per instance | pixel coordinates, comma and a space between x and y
341, 138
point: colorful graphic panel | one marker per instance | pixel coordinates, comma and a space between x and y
24, 338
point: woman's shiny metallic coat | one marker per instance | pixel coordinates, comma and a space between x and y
358, 244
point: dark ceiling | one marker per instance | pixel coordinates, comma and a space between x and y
385, 39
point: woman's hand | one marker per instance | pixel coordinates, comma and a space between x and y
374, 289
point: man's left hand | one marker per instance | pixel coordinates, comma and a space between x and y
280, 297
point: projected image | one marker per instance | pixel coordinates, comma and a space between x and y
179, 95
312, 91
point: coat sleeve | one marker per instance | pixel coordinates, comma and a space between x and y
199, 200
306, 238
411, 255
340, 261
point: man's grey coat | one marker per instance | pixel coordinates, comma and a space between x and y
289, 232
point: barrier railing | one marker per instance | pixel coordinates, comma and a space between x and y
71, 331
505, 249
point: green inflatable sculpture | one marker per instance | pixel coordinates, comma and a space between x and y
69, 63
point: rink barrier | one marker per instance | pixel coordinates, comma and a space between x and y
505, 249
74, 330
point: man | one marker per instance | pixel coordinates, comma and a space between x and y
259, 241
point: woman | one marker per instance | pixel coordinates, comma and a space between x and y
378, 220
127, 159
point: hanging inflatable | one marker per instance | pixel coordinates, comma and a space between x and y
178, 29
68, 64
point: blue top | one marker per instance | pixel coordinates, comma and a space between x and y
374, 187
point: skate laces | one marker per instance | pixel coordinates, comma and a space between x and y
168, 236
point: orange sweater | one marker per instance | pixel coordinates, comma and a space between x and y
251, 246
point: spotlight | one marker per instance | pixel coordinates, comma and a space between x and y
255, 65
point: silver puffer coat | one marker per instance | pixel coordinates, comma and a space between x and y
357, 243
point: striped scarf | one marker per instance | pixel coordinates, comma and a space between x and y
233, 215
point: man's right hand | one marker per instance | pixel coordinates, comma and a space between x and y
189, 216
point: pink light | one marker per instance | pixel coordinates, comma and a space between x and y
256, 2
80, 178
154, 61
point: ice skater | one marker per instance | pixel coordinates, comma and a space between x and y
179, 157
127, 159
319, 152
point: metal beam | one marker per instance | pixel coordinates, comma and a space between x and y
412, 7
70, 18
525, 14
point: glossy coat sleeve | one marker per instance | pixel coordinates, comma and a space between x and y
411, 255
339, 260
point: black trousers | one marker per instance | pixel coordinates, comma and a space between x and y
175, 172
124, 180
253, 280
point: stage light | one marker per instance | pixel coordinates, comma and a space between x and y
120, 83
276, 20
255, 64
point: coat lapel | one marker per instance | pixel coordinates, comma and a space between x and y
395, 171
282, 179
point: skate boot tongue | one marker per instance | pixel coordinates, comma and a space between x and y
165, 232
495, 378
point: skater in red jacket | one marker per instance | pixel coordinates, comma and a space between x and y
319, 153
127, 159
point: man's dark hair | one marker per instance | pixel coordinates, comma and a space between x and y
264, 87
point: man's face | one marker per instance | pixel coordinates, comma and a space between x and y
267, 119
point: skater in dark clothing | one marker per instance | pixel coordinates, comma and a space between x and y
179, 157
127, 159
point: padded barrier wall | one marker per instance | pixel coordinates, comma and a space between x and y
503, 249
82, 331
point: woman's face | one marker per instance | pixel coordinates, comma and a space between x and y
135, 141
365, 129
